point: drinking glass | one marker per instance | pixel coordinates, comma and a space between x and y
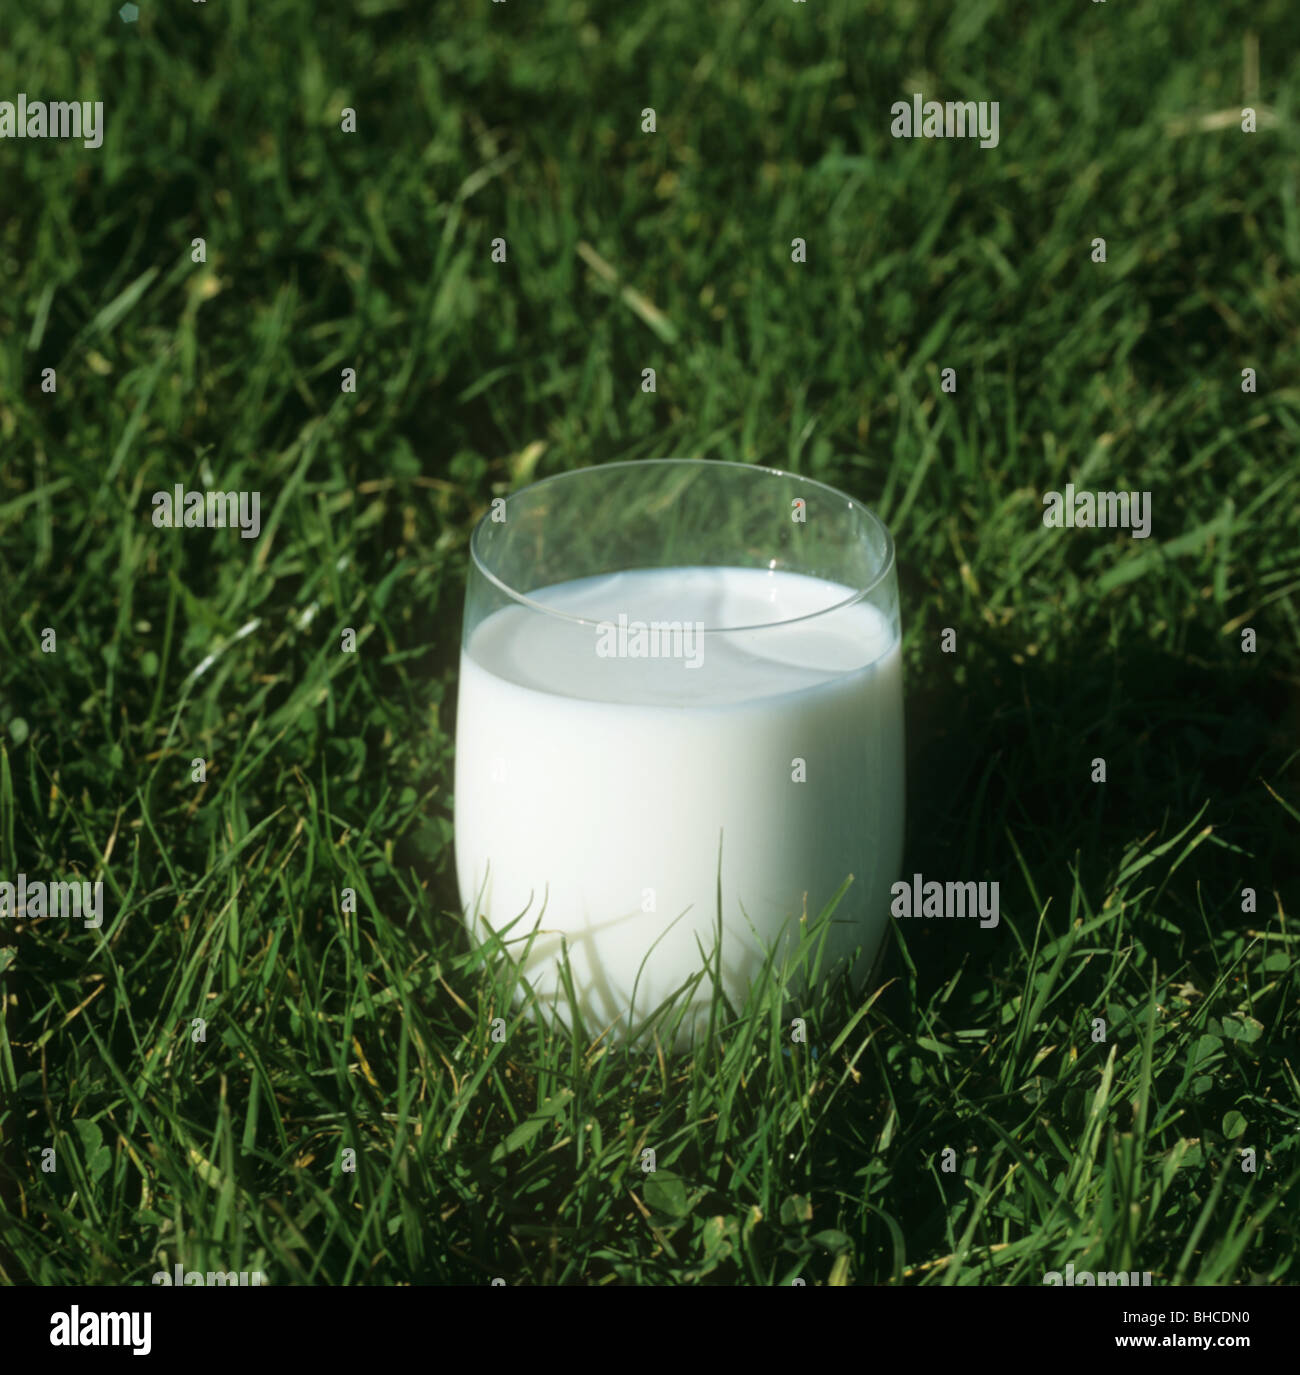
679, 733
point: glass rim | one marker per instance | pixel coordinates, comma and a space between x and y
523, 599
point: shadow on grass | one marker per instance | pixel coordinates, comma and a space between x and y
1007, 756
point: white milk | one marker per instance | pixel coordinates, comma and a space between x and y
594, 790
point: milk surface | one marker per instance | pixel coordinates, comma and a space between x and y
593, 791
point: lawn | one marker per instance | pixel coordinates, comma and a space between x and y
379, 323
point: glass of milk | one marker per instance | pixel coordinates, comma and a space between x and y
680, 714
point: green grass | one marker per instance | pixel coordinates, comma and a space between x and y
371, 1031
